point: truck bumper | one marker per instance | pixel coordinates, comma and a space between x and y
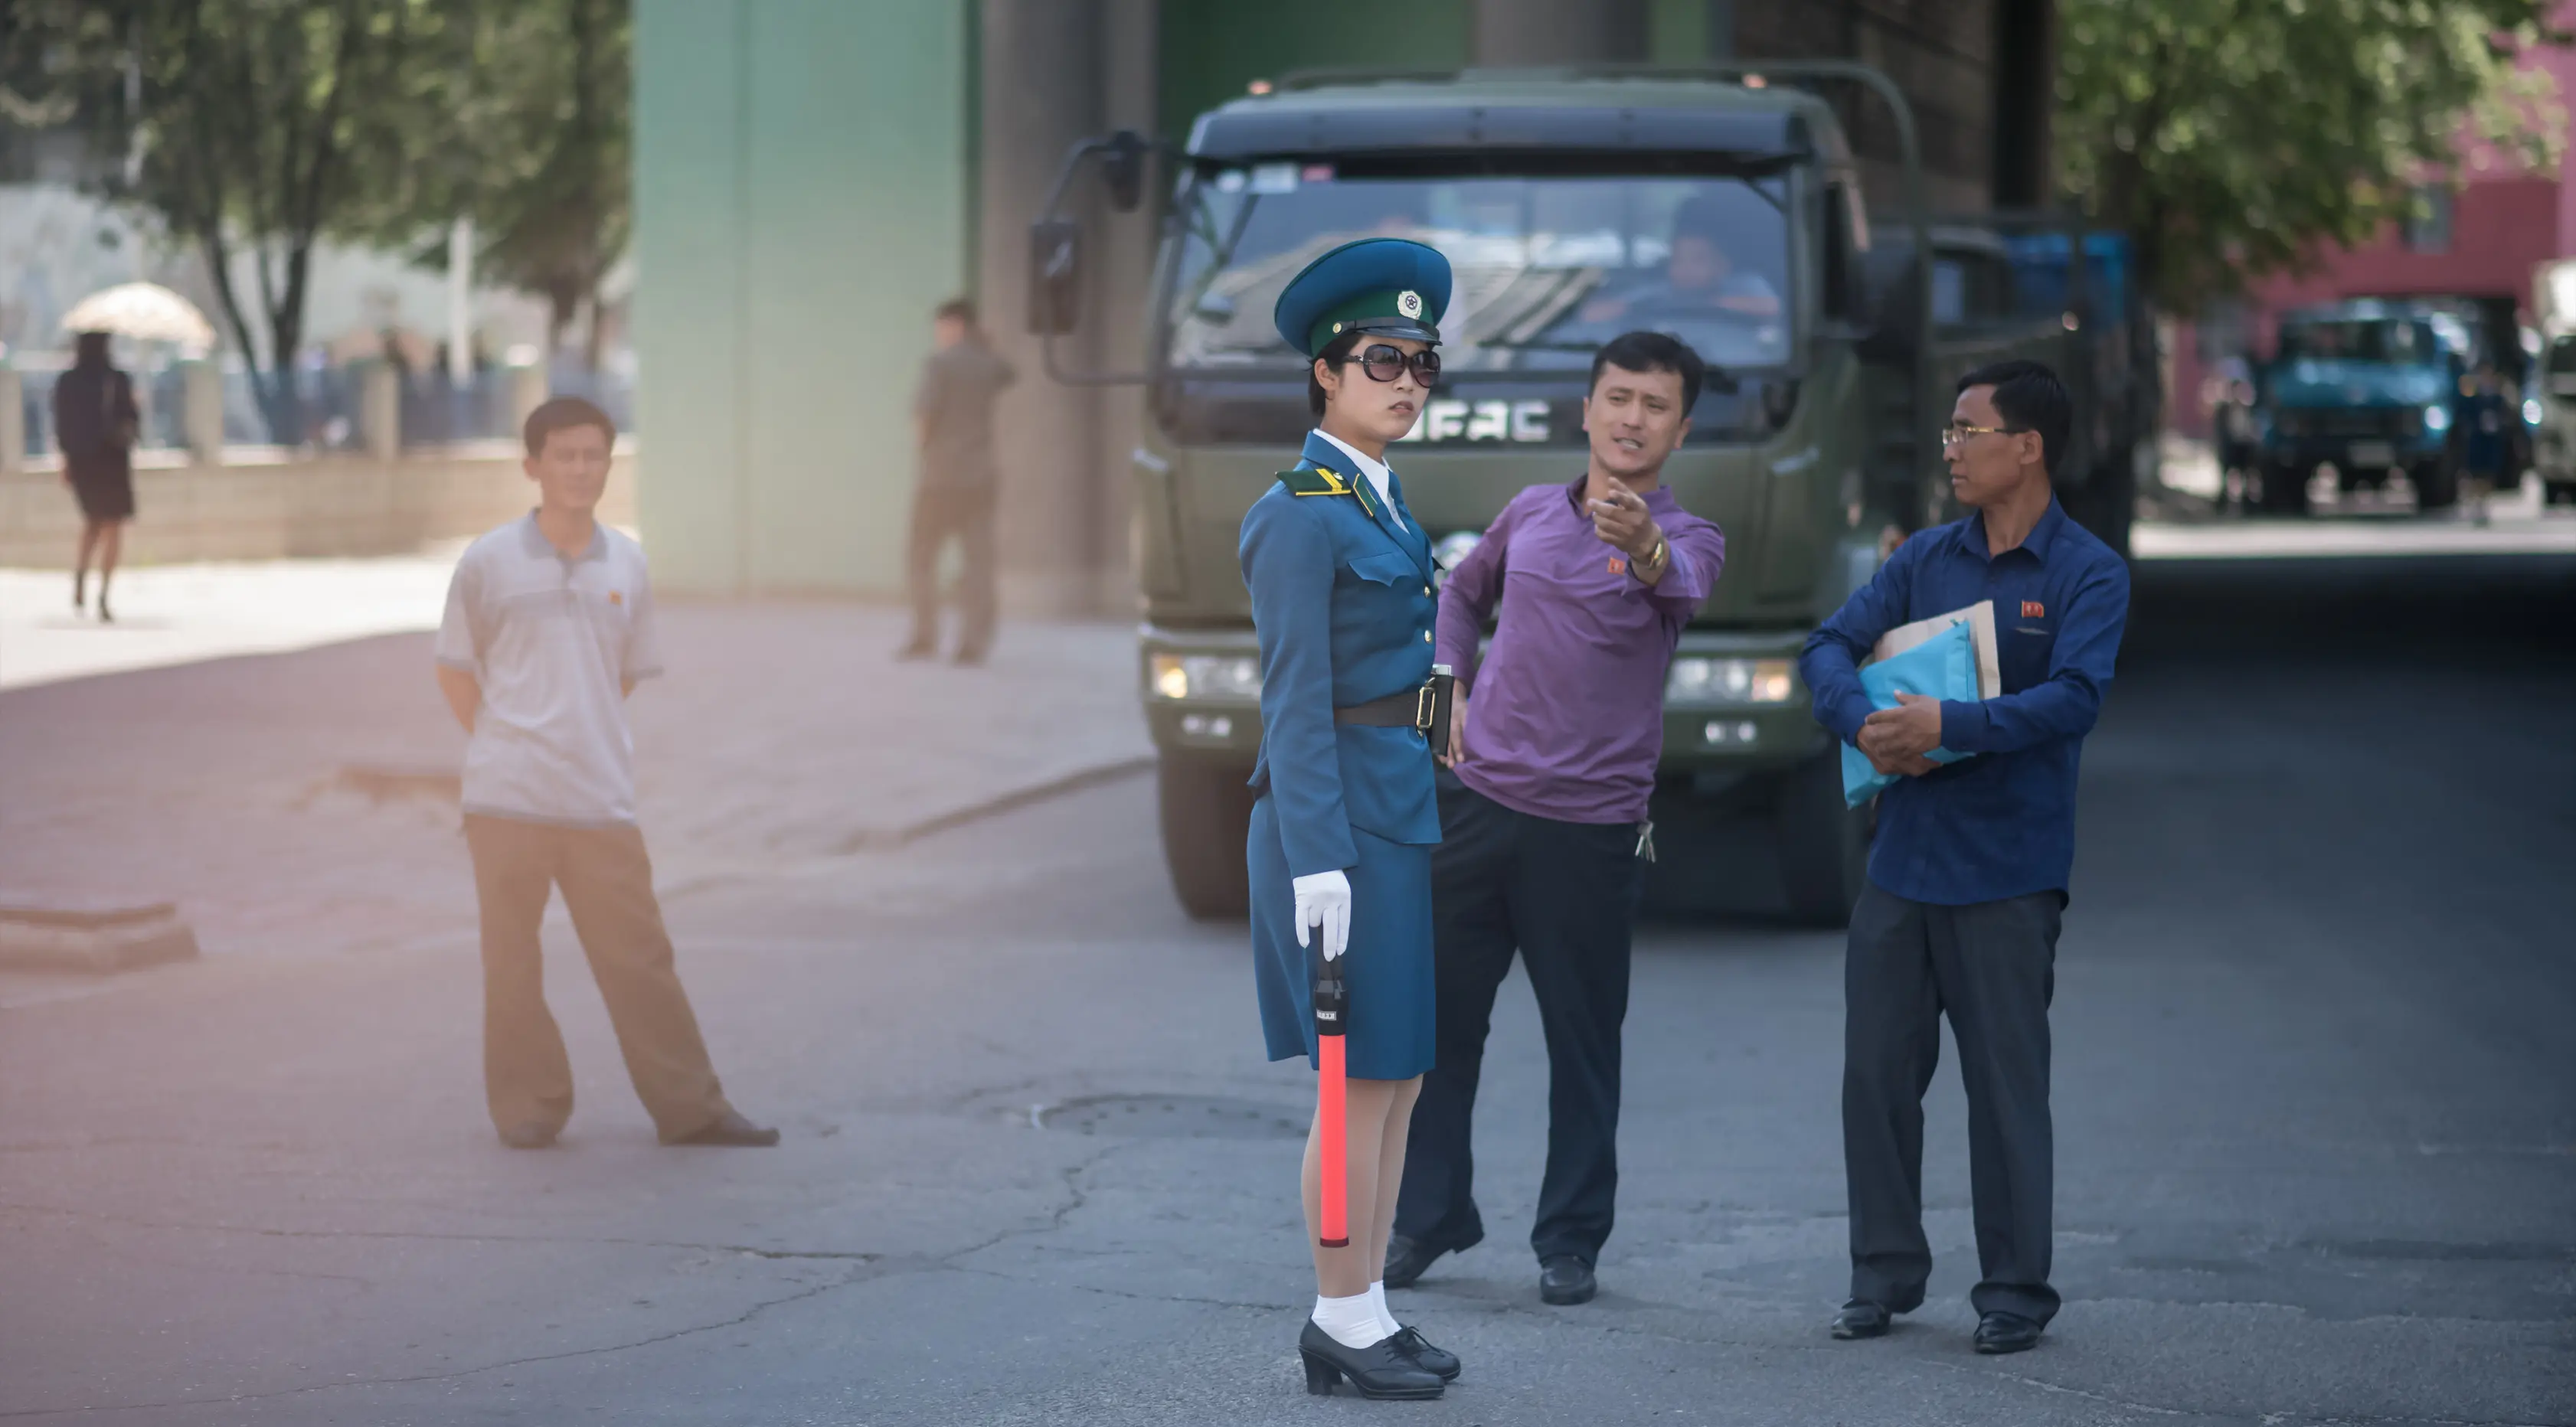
2352, 453
1712, 735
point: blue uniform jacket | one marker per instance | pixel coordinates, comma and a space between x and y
1342, 602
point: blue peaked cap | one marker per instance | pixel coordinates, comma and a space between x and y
1387, 287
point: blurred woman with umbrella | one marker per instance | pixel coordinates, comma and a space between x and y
95, 423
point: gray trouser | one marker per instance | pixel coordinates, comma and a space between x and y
607, 884
1992, 967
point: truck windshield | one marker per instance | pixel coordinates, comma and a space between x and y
1547, 268
2376, 340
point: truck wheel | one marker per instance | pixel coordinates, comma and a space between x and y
2285, 490
1206, 813
1824, 846
2437, 484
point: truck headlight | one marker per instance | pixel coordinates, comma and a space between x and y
2437, 419
2531, 411
1729, 681
1204, 676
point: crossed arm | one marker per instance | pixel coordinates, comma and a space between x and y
465, 694
2062, 705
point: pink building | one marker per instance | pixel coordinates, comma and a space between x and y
2482, 241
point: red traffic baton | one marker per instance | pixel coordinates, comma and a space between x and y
1332, 1019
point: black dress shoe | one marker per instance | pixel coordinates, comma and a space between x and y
1564, 1279
731, 1131
1406, 1259
529, 1135
1379, 1370
1439, 1362
1863, 1318
2001, 1332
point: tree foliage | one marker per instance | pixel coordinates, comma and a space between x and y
254, 129
249, 128
2236, 138
533, 99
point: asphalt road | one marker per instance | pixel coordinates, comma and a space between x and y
2315, 1088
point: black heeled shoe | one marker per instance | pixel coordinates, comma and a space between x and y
1439, 1362
1379, 1370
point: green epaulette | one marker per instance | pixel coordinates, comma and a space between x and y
1315, 480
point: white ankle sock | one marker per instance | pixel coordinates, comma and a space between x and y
1385, 1319
1351, 1322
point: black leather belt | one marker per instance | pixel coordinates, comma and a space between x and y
1414, 708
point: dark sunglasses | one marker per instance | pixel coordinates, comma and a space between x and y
1383, 363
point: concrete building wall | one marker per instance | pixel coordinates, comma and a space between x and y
1941, 53
802, 172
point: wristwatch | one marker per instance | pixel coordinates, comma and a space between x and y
1656, 557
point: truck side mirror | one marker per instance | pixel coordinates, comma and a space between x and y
1894, 305
1122, 169
1841, 279
1055, 276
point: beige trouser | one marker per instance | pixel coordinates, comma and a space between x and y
607, 885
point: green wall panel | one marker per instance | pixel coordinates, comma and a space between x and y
802, 203
1211, 49
689, 253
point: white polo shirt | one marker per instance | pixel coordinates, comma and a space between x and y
552, 641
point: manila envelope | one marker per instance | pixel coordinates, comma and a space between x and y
1980, 618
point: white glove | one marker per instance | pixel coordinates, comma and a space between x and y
1324, 902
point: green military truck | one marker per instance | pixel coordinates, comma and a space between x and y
1722, 206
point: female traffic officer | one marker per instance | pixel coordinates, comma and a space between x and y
1344, 819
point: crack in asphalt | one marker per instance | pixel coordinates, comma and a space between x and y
396, 1381
872, 1267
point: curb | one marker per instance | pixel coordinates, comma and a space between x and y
97, 939
883, 839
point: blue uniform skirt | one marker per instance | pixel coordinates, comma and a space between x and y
1387, 965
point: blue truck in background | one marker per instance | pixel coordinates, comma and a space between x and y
2368, 387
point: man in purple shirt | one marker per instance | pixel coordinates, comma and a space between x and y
1553, 745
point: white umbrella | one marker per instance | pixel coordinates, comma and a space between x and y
144, 311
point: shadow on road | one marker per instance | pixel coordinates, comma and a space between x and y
2439, 609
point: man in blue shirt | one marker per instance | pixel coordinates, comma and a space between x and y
1969, 872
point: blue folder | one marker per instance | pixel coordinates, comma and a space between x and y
1941, 667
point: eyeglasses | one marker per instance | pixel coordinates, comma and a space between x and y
1383, 363
1957, 434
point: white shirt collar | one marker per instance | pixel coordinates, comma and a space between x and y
1376, 471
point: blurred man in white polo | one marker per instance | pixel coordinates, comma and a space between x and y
549, 627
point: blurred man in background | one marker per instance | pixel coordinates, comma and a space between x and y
952, 416
1699, 277
2487, 413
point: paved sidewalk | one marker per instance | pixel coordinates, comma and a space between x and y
302, 802
179, 614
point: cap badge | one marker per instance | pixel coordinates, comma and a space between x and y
1409, 303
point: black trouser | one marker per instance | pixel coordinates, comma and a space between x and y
1562, 894
941, 510
1992, 966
